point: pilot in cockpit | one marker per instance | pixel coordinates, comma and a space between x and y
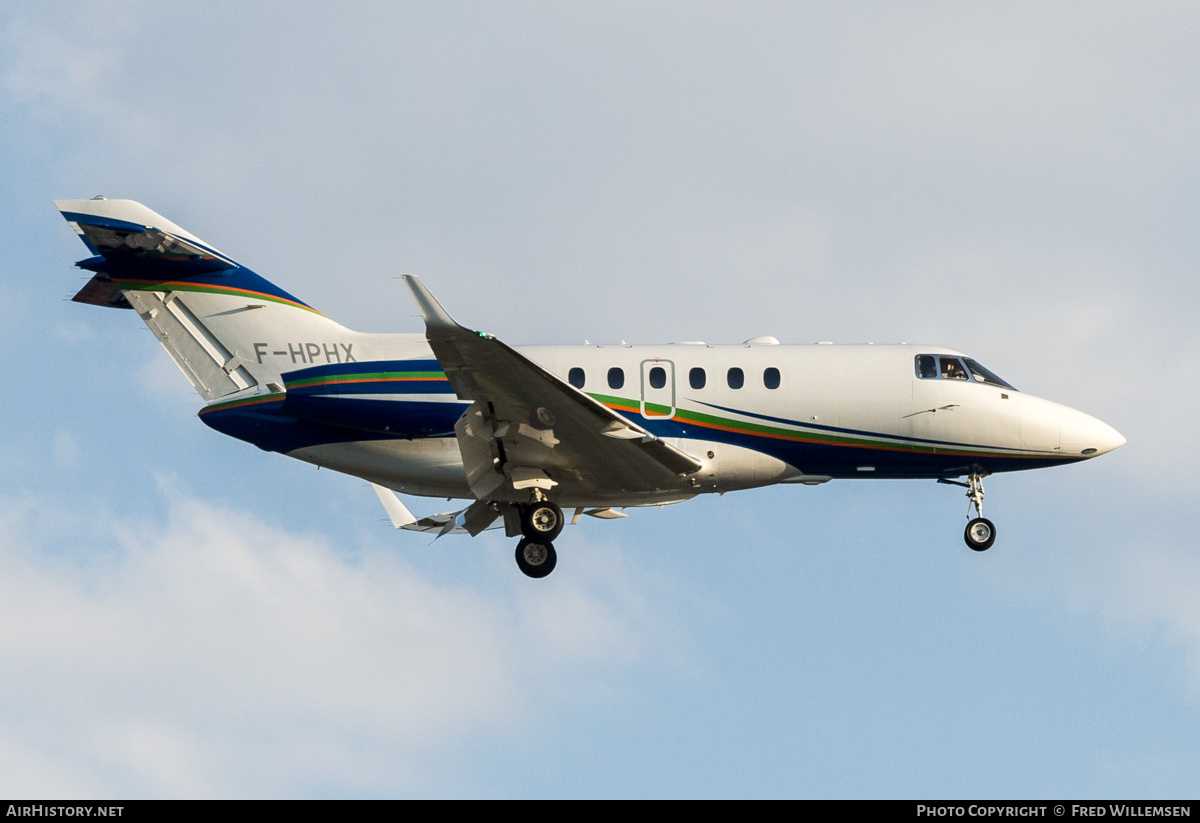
952, 369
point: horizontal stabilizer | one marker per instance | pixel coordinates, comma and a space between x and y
102, 291
135, 249
126, 234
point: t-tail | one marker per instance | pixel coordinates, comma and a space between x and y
230, 331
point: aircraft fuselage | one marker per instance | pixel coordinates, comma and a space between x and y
753, 414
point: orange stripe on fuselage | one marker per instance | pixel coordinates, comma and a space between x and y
874, 446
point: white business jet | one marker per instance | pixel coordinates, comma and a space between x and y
528, 433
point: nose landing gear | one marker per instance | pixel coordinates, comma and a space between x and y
980, 533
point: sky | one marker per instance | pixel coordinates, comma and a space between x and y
183, 615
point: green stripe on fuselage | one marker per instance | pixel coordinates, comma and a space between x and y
245, 401
367, 377
823, 438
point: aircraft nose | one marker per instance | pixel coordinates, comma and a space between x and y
1085, 435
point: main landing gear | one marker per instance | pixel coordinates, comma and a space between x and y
536, 559
981, 532
541, 522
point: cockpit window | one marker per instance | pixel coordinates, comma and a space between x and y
984, 376
949, 367
952, 369
926, 366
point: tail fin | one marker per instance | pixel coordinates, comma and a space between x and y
216, 318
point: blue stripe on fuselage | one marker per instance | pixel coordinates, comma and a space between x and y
859, 432
295, 423
319, 418
336, 378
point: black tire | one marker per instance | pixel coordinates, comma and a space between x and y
980, 534
536, 558
542, 522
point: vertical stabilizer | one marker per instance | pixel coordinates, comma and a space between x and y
229, 330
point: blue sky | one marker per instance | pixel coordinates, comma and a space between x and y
184, 615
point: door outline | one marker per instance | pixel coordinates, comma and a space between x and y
658, 397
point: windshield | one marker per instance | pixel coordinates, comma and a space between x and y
984, 376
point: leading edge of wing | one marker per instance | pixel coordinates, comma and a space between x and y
484, 369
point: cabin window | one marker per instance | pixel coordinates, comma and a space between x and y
926, 366
576, 377
736, 378
658, 377
771, 378
952, 369
616, 378
697, 378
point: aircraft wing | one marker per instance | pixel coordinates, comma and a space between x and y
459, 522
528, 429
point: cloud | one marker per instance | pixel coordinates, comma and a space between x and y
60, 70
1151, 590
214, 655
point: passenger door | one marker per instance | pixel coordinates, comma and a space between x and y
658, 389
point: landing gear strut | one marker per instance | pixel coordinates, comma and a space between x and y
981, 532
541, 522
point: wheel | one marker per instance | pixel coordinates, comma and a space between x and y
542, 521
536, 559
980, 534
